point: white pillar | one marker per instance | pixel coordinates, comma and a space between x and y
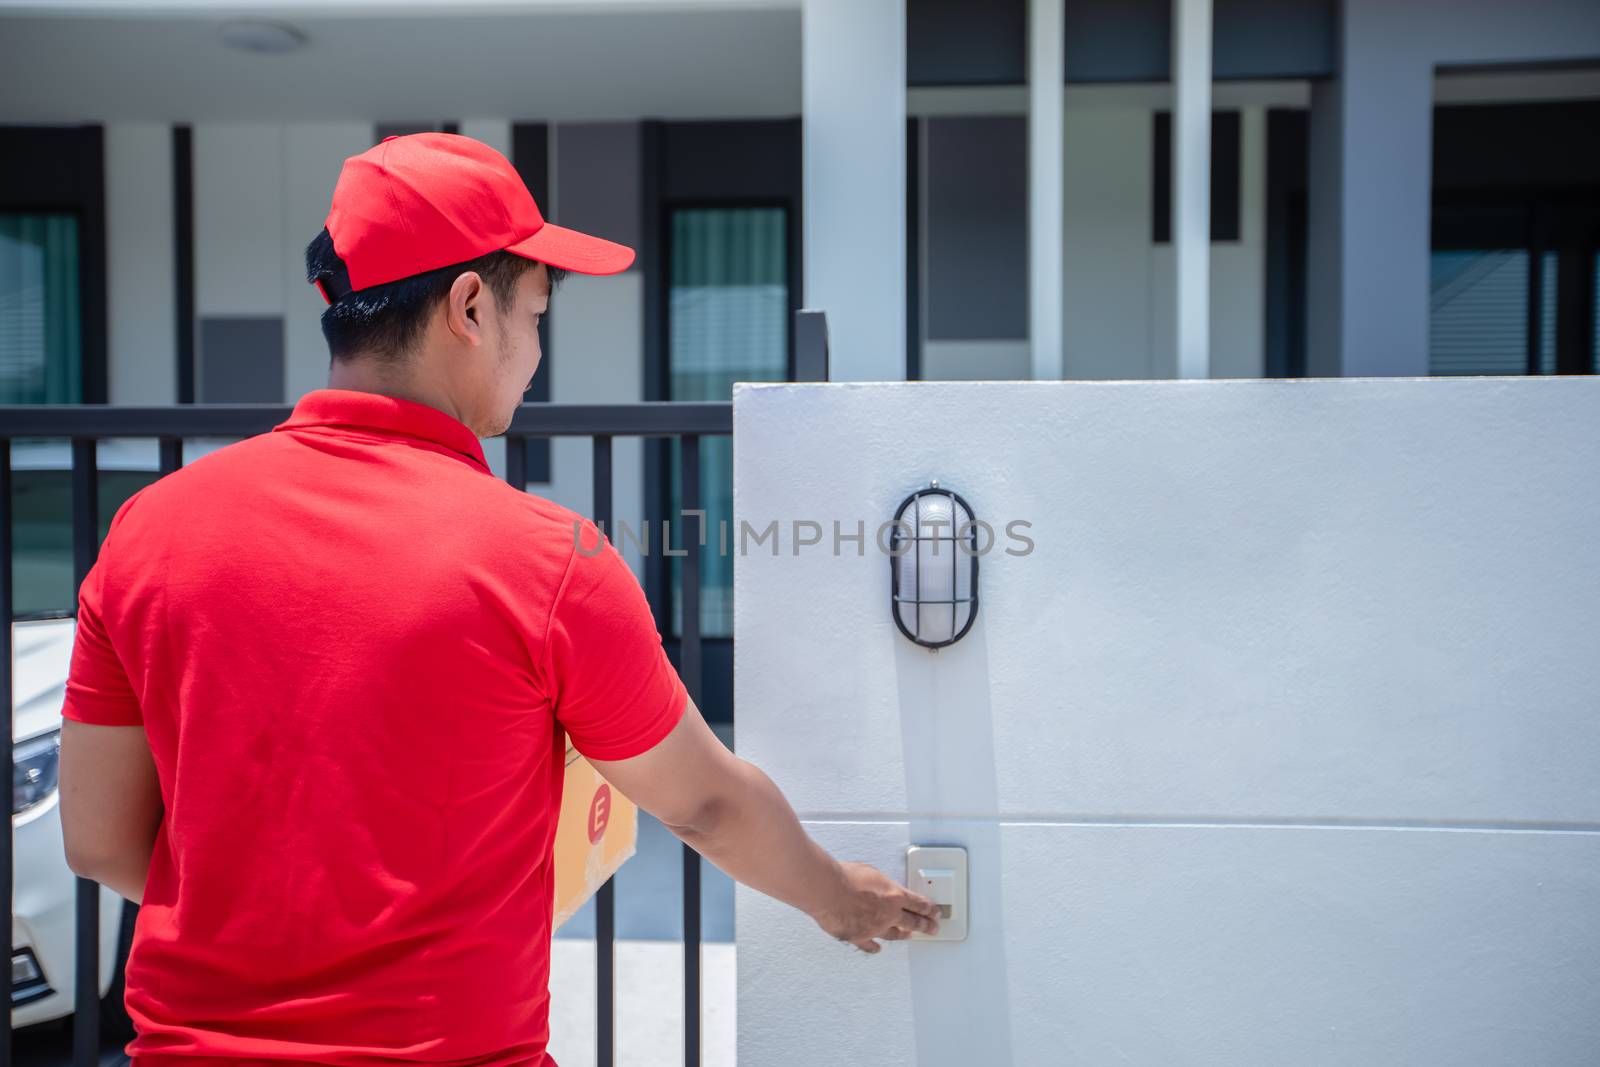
1046, 170
854, 119
1377, 172
1191, 183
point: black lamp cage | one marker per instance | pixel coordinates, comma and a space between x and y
934, 621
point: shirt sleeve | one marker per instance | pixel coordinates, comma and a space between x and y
614, 690
98, 690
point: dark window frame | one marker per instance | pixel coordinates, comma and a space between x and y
657, 567
687, 164
1537, 221
1552, 141
65, 174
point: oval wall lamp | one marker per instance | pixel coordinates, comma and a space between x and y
933, 577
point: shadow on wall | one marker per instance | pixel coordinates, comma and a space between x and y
960, 1000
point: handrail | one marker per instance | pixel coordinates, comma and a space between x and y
646, 418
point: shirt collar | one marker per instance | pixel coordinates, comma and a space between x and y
387, 415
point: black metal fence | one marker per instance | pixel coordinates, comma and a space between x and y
85, 426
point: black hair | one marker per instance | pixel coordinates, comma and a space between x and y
386, 320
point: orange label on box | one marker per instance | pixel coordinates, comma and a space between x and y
595, 835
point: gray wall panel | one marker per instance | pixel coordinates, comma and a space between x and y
597, 179
1118, 40
977, 236
1275, 39
1131, 40
957, 42
241, 360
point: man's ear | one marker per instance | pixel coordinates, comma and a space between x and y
465, 307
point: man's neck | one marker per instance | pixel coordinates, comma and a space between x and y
371, 375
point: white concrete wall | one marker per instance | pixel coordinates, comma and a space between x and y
1278, 748
261, 193
313, 155
1119, 295
239, 228
142, 355
1107, 306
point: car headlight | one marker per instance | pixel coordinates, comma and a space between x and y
34, 768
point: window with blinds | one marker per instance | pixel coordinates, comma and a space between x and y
1478, 312
1548, 266
41, 325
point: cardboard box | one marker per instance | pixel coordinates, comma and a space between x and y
596, 832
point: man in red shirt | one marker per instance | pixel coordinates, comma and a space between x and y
322, 678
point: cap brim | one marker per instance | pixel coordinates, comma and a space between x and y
558, 246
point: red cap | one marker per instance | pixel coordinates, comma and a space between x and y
426, 200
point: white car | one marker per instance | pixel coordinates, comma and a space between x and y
44, 922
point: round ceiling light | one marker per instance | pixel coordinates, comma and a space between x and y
259, 35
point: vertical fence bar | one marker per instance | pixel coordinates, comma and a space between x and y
605, 901
171, 460
171, 454
6, 611
517, 462
85, 546
689, 664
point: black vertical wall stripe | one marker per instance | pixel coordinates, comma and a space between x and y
183, 257
530, 154
913, 250
93, 267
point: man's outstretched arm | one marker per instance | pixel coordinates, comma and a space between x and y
733, 815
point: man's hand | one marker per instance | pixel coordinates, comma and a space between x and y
734, 816
871, 905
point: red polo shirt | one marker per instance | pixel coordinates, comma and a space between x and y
355, 653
